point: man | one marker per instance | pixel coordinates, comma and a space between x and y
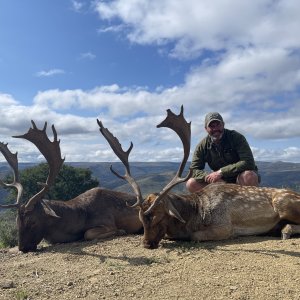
226, 152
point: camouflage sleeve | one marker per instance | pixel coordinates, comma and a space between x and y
246, 161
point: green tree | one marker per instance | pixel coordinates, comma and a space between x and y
69, 183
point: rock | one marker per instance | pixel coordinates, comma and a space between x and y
8, 284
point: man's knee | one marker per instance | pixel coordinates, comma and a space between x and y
192, 185
248, 178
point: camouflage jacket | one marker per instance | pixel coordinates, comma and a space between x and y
232, 156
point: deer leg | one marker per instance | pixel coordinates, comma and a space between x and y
289, 230
213, 233
287, 205
102, 232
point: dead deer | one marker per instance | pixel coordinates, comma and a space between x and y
96, 214
218, 212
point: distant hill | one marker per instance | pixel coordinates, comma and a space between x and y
280, 174
153, 176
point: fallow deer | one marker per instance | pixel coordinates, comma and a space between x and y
218, 212
96, 214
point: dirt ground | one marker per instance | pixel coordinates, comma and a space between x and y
120, 268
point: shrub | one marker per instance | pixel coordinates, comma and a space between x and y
8, 229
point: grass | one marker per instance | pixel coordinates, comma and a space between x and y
21, 295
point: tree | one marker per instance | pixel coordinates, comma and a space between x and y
69, 183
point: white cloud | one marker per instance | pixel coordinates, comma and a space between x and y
50, 73
81, 140
87, 55
216, 25
114, 29
77, 5
250, 73
118, 101
6, 99
251, 68
290, 154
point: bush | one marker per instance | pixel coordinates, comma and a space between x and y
8, 229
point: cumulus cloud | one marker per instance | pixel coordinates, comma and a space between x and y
132, 118
117, 101
245, 64
6, 99
245, 55
196, 25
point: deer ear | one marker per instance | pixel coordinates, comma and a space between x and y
172, 211
48, 210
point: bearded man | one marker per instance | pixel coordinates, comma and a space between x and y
228, 155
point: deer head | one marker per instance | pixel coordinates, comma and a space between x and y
28, 213
154, 210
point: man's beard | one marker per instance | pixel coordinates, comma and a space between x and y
217, 138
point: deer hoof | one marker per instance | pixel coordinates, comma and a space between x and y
286, 232
121, 232
285, 236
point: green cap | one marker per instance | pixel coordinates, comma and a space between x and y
213, 116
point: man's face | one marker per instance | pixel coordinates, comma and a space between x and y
215, 129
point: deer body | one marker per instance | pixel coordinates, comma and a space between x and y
95, 214
221, 211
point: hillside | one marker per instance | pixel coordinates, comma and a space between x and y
153, 176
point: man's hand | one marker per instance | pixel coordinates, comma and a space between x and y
213, 177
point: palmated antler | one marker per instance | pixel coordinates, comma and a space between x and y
172, 121
183, 129
52, 154
123, 156
12, 160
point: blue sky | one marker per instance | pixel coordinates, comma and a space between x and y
126, 62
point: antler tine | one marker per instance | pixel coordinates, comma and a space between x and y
12, 160
183, 130
123, 156
51, 152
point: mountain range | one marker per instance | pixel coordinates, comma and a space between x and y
153, 176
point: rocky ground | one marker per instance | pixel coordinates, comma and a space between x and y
120, 268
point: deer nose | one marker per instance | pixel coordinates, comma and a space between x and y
28, 249
150, 245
